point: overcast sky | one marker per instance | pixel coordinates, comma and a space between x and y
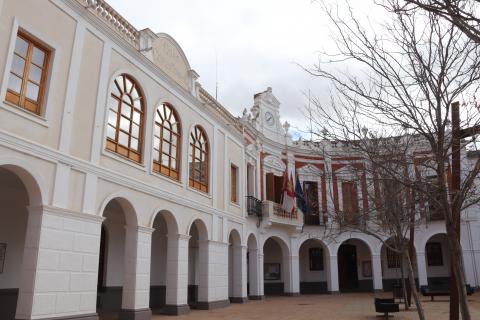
257, 44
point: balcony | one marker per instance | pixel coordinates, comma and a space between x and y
254, 206
274, 213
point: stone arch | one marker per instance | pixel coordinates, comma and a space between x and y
314, 266
199, 223
279, 273
163, 260
118, 253
254, 268
172, 223
437, 260
31, 179
236, 267
391, 265
354, 272
20, 215
127, 206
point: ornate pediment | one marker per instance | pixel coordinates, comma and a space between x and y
169, 57
310, 170
347, 173
274, 165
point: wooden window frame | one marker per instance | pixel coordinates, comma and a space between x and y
393, 258
158, 166
350, 204
119, 103
315, 258
434, 261
234, 196
196, 150
20, 99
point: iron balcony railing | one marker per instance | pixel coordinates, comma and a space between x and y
254, 206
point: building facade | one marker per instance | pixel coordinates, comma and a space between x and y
126, 187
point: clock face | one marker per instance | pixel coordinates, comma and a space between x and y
269, 118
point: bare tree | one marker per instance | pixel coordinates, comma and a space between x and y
409, 71
463, 14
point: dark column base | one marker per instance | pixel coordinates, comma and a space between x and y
238, 299
292, 294
91, 316
256, 297
378, 290
174, 310
142, 314
212, 305
334, 293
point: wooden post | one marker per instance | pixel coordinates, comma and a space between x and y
454, 303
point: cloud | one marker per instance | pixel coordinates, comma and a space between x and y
256, 44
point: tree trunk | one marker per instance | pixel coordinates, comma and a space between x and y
413, 286
457, 267
404, 287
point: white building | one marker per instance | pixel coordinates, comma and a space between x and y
125, 187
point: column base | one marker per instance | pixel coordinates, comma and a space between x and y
174, 310
212, 305
256, 297
238, 299
292, 294
141, 314
334, 293
91, 316
378, 290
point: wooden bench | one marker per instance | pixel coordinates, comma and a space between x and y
386, 306
441, 290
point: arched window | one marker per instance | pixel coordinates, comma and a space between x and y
125, 118
198, 159
166, 142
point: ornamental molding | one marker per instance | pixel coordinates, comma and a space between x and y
274, 165
310, 170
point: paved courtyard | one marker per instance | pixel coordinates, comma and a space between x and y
340, 307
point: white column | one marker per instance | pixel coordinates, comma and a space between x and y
422, 269
72, 86
136, 286
239, 274
254, 279
102, 93
28, 274
377, 272
291, 279
260, 274
60, 265
333, 268
177, 275
213, 274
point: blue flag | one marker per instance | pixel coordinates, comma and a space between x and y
301, 204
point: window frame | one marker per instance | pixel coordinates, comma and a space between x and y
193, 182
113, 145
393, 258
434, 261
42, 84
174, 174
234, 184
315, 265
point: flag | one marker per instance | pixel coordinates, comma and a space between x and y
301, 203
288, 203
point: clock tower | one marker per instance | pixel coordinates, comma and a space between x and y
265, 116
